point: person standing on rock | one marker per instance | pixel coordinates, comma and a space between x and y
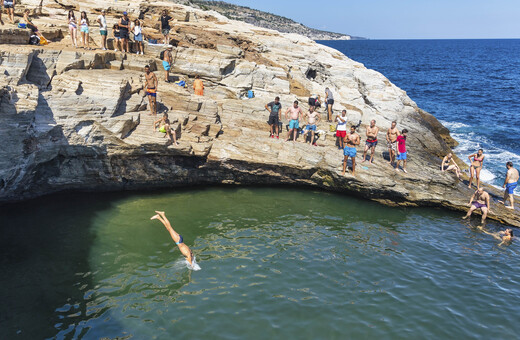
313, 118
150, 86
510, 185
479, 200
103, 29
137, 29
341, 129
73, 28
294, 113
198, 86
448, 164
167, 63
329, 101
351, 140
371, 142
84, 29
401, 150
9, 6
275, 116
165, 127
391, 140
477, 161
165, 26
124, 32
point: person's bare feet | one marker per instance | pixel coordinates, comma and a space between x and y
154, 217
509, 207
465, 217
405, 171
160, 213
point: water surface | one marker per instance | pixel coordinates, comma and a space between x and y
276, 263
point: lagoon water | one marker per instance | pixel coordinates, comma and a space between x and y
472, 86
276, 263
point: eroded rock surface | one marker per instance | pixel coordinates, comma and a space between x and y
78, 120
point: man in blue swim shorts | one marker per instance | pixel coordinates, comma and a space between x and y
185, 250
313, 117
510, 185
351, 140
167, 63
293, 113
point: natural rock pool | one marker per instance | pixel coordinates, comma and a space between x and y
276, 263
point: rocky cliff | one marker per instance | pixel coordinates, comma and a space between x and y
78, 120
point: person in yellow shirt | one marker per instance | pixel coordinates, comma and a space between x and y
198, 86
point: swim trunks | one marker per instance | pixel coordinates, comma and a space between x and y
151, 92
401, 156
392, 145
371, 143
163, 130
103, 32
479, 205
510, 187
273, 120
166, 65
181, 241
8, 4
341, 134
310, 127
84, 29
166, 31
294, 124
349, 151
330, 102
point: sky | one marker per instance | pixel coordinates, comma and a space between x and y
402, 19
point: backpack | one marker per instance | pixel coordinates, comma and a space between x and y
162, 55
312, 101
34, 40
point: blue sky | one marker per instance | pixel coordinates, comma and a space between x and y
402, 19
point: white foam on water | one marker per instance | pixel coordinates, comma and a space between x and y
486, 176
194, 266
454, 125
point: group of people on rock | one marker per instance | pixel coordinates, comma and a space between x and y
346, 141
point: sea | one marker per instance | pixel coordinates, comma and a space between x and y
471, 86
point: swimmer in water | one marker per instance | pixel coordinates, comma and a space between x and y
503, 236
185, 250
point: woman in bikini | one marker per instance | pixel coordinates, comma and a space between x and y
505, 237
477, 160
448, 164
185, 250
73, 28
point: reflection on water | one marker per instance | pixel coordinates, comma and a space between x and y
275, 263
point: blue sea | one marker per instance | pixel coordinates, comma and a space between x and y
471, 86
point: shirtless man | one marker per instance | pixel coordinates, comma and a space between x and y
503, 236
185, 250
150, 87
479, 200
510, 185
165, 127
351, 140
391, 140
167, 63
294, 123
371, 143
313, 117
448, 164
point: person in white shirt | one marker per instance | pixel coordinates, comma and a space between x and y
103, 29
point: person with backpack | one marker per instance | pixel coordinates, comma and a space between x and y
166, 57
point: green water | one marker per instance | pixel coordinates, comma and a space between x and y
283, 264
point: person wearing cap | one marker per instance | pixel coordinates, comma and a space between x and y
165, 20
103, 30
124, 31
167, 63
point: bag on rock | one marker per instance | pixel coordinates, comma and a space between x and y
162, 55
21, 25
34, 40
43, 41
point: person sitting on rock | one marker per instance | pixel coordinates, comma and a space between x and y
198, 86
167, 63
294, 123
479, 200
165, 127
179, 241
275, 116
116, 31
30, 25
448, 164
351, 140
150, 85
313, 118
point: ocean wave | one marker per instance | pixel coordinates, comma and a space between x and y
454, 125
